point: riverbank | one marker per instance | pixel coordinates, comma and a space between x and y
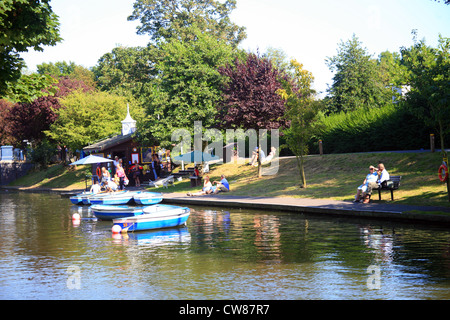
331, 179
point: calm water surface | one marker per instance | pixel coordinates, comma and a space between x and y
221, 254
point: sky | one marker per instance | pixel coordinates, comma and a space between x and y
308, 31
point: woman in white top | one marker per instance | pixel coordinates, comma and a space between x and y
207, 188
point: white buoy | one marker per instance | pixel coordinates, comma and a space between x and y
116, 229
76, 217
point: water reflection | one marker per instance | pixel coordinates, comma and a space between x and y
221, 254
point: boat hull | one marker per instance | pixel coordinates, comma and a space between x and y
155, 218
81, 198
114, 198
148, 198
110, 212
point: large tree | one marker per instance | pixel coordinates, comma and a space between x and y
167, 19
29, 120
356, 81
187, 88
126, 69
302, 113
250, 98
85, 117
23, 24
69, 70
429, 97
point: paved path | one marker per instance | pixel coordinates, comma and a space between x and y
318, 206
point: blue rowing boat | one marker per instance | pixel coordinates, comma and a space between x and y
147, 198
81, 198
114, 198
155, 217
110, 212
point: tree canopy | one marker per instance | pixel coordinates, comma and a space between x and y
167, 19
23, 24
356, 82
429, 95
187, 88
87, 117
250, 99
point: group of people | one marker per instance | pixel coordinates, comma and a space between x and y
208, 188
377, 178
110, 184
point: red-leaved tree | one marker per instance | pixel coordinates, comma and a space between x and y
28, 121
250, 99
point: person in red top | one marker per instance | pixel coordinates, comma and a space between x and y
136, 173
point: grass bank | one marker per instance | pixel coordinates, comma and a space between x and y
334, 176
55, 176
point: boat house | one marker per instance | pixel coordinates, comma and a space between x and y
126, 148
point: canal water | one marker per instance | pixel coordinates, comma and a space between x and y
220, 254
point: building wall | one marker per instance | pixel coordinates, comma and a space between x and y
10, 171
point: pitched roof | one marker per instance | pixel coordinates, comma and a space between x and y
108, 143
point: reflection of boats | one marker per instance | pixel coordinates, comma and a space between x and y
155, 217
111, 198
81, 198
148, 198
162, 237
109, 212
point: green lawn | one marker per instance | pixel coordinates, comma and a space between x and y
334, 176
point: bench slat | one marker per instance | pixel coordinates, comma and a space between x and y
396, 180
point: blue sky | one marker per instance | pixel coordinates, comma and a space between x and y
308, 31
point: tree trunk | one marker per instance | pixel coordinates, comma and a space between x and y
301, 171
259, 160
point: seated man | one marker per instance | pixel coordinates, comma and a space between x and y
222, 185
383, 177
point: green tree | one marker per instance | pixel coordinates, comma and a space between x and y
23, 24
30, 87
356, 82
87, 117
187, 88
302, 113
392, 71
429, 97
126, 70
173, 19
69, 70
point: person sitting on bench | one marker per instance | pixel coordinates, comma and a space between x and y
383, 177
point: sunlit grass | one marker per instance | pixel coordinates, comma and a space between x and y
328, 177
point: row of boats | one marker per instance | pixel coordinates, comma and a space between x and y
133, 210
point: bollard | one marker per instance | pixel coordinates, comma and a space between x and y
320, 147
432, 142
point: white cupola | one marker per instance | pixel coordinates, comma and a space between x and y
128, 124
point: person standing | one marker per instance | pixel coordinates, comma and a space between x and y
121, 174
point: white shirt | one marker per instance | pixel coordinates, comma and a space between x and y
384, 176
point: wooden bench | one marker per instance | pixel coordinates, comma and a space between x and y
392, 184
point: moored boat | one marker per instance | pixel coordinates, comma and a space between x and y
114, 198
81, 198
110, 212
155, 217
148, 198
